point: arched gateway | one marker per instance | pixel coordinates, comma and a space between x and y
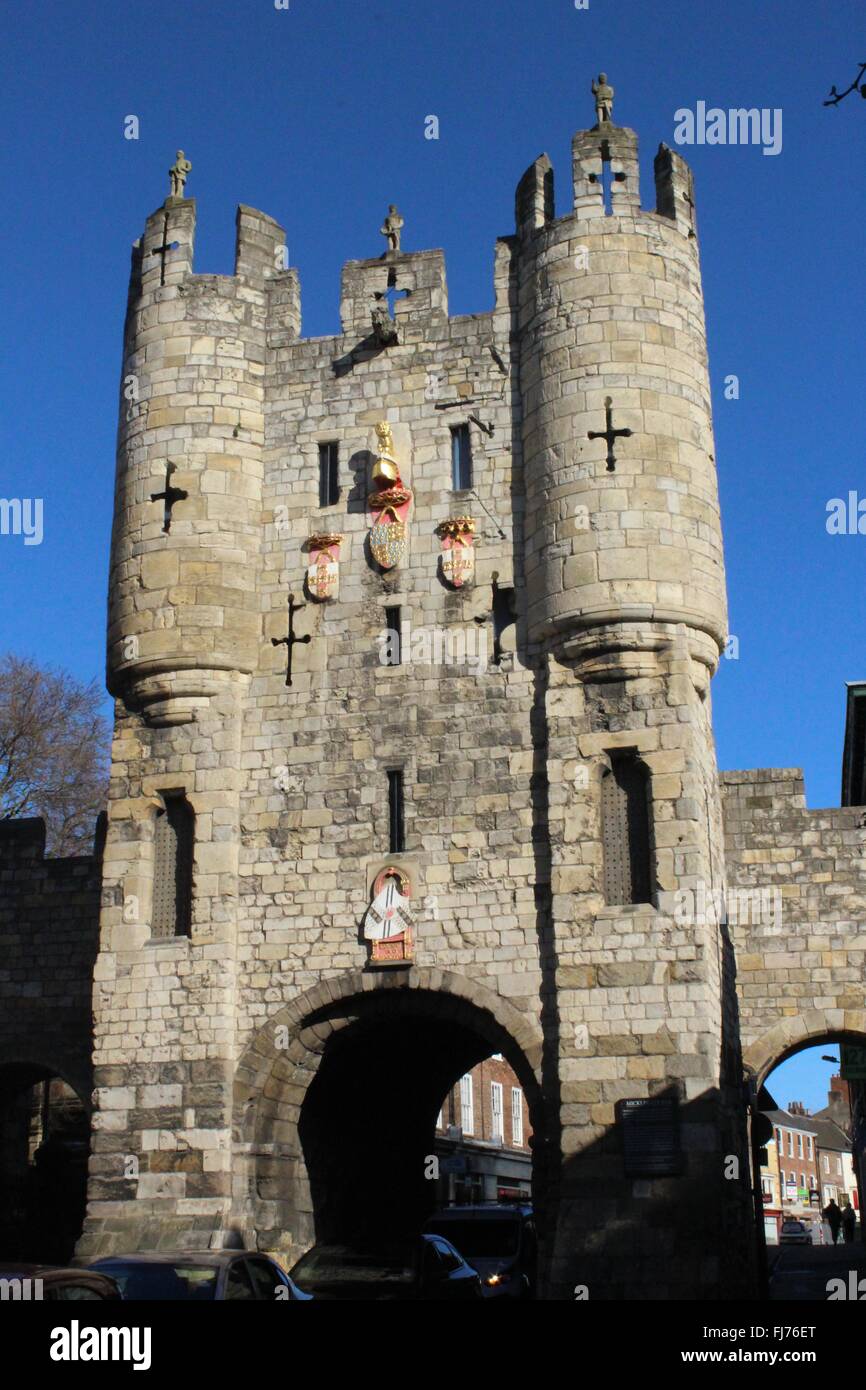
336, 1096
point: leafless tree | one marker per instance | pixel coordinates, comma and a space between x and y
857, 85
54, 746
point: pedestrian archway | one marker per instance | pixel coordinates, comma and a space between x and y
44, 1144
337, 1101
810, 1157
791, 1035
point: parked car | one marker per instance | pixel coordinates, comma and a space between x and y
212, 1275
498, 1240
429, 1268
53, 1284
795, 1233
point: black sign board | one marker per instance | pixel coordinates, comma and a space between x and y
853, 1062
650, 1137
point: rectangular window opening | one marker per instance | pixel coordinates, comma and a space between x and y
517, 1116
329, 474
627, 831
467, 1109
461, 458
174, 843
496, 1111
396, 830
394, 635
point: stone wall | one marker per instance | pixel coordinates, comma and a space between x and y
798, 920
49, 920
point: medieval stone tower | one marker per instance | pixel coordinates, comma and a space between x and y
528, 497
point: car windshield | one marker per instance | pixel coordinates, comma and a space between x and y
484, 1238
162, 1281
333, 1266
793, 1226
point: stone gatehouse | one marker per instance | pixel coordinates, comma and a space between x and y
411, 635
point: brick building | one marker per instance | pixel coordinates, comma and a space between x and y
797, 1165
483, 1134
797, 1156
809, 1163
846, 1110
771, 1190
835, 1165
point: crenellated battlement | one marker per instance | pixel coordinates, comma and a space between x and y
407, 289
606, 184
164, 255
597, 326
414, 281
410, 285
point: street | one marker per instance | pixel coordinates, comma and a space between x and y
803, 1272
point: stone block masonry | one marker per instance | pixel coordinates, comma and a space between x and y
612, 560
801, 951
49, 938
233, 1063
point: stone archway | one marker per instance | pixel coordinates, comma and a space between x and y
302, 1070
792, 1034
45, 1113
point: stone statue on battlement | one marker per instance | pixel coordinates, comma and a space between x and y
603, 94
391, 228
178, 174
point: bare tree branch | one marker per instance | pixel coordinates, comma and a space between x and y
53, 752
858, 83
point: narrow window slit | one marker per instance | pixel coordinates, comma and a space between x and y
396, 828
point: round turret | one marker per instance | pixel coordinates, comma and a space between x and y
184, 615
623, 538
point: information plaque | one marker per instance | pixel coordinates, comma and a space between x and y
650, 1137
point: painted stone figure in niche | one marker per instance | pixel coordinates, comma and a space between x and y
389, 920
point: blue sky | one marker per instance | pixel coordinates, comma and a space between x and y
805, 1076
316, 115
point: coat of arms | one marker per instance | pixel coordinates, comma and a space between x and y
389, 503
389, 922
323, 571
458, 551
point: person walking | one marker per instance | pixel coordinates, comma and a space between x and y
849, 1223
833, 1216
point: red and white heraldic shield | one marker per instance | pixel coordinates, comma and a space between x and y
389, 917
